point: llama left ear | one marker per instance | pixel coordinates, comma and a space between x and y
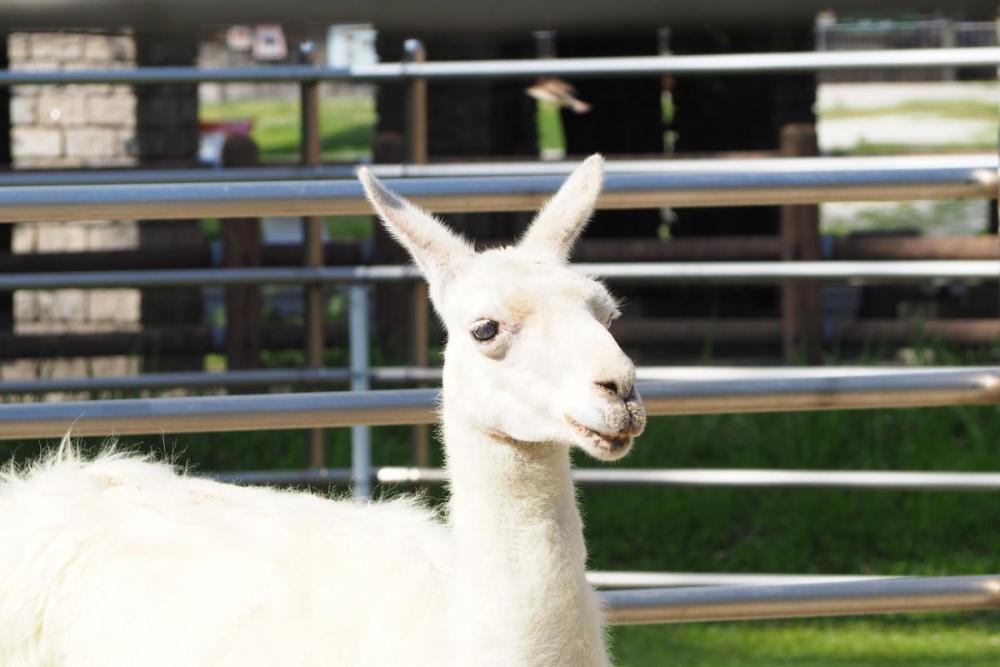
562, 219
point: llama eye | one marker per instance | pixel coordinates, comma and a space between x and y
485, 330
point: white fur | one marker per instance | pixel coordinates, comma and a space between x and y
120, 561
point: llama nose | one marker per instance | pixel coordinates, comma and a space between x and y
619, 388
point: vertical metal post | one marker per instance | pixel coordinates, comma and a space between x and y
949, 40
312, 235
361, 438
417, 153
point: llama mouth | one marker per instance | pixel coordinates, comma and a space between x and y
601, 442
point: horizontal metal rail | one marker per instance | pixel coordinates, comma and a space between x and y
809, 479
207, 277
613, 579
736, 478
742, 603
418, 406
811, 181
736, 63
484, 169
301, 377
297, 377
677, 272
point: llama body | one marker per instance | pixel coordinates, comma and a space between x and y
123, 562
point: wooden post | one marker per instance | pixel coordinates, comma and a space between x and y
6, 231
802, 305
416, 153
312, 238
241, 242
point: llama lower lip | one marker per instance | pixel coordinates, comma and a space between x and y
603, 441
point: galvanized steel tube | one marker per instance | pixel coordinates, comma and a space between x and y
611, 579
673, 272
186, 380
303, 377
826, 180
805, 479
417, 406
734, 478
739, 603
484, 169
361, 435
217, 413
736, 63
959, 387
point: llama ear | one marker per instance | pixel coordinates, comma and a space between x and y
563, 218
436, 250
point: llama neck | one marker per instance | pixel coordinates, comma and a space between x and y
522, 597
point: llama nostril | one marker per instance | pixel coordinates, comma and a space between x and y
611, 387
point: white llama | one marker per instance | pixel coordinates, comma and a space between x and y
123, 562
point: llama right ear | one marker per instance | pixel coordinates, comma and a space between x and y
436, 250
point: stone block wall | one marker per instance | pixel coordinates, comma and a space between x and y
72, 126
61, 127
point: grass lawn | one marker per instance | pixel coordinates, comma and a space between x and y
970, 109
347, 124
804, 531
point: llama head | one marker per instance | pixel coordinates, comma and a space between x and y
529, 359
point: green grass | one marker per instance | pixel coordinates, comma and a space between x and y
945, 110
353, 227
982, 142
805, 531
808, 531
356, 227
970, 109
346, 123
960, 216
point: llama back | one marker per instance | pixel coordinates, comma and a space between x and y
176, 568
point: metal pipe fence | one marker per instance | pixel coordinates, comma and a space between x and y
303, 192
361, 437
634, 579
719, 478
417, 406
818, 180
732, 603
312, 377
680, 272
695, 65
490, 169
